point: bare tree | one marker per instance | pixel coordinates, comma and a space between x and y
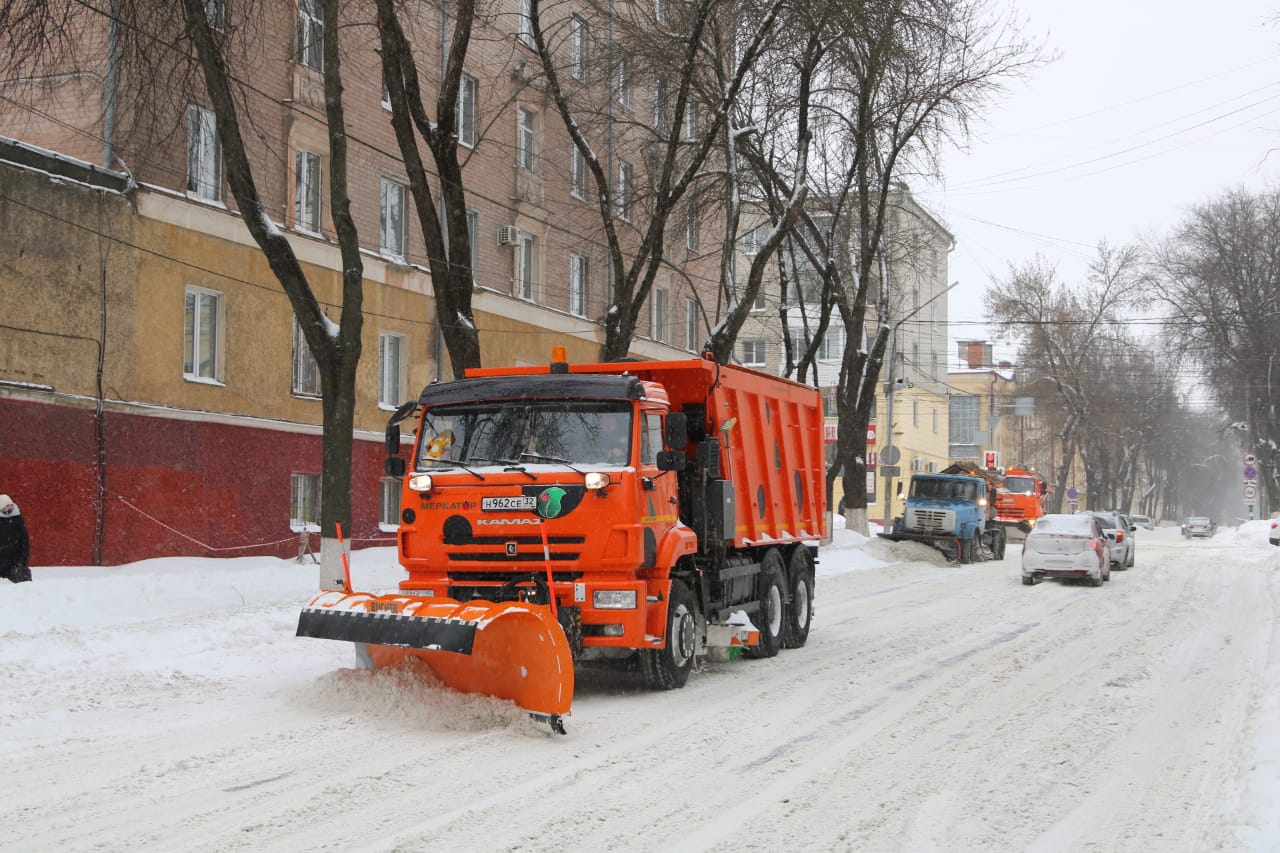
1067, 336
1218, 275
673, 157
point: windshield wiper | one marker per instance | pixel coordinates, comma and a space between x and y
556, 459
456, 464
511, 465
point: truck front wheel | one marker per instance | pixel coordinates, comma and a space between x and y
668, 668
772, 616
800, 609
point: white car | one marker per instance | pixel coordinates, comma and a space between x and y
1066, 546
1142, 521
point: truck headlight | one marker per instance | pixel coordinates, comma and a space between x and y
420, 482
596, 480
614, 599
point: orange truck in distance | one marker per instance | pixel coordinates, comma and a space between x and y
572, 512
1019, 504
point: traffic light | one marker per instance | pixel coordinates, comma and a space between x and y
991, 459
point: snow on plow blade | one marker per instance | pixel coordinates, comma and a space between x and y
511, 650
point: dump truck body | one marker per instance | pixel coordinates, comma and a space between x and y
652, 507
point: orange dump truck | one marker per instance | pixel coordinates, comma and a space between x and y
1019, 503
572, 512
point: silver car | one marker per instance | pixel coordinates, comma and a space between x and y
1067, 546
1120, 531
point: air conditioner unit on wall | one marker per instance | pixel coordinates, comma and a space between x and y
931, 467
508, 235
917, 464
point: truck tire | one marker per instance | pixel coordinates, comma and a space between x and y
968, 550
668, 668
800, 607
772, 615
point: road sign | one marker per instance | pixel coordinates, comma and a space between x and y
890, 455
1250, 459
1250, 472
890, 471
1250, 492
1072, 494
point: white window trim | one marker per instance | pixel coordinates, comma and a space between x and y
526, 256
622, 200
757, 352
204, 154
295, 524
218, 336
577, 174
401, 363
579, 41
307, 23
302, 180
526, 138
302, 355
398, 253
658, 318
467, 124
578, 270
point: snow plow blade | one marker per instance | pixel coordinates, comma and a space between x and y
512, 650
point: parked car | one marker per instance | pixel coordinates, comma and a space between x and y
1199, 527
1274, 535
1067, 546
1143, 521
1120, 531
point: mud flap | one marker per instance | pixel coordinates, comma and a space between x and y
511, 650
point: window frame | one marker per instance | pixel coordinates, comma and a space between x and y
578, 271
526, 266
526, 138
304, 488
622, 198
204, 155
305, 381
311, 35
754, 353
577, 174
468, 91
691, 230
389, 488
658, 326
579, 46
690, 324
384, 359
307, 190
396, 252
191, 344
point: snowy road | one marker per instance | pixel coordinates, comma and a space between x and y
934, 708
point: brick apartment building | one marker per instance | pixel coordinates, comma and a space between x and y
155, 394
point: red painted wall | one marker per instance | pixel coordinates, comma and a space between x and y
174, 487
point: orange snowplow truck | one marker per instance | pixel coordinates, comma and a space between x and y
1019, 504
572, 512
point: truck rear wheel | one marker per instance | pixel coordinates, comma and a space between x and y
800, 609
772, 616
668, 668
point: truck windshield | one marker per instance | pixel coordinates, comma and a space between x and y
1020, 485
527, 432
944, 490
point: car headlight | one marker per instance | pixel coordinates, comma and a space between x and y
420, 482
596, 480
614, 599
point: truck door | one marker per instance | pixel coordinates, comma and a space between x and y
659, 501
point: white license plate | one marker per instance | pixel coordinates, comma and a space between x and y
516, 502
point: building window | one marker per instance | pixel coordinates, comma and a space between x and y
623, 198
467, 92
659, 321
691, 225
759, 303
389, 507
577, 174
578, 41
204, 155
964, 411
624, 82
306, 191
753, 352
526, 263
915, 413
578, 285
753, 240
691, 325
660, 105
525, 138
306, 373
202, 335
660, 11
304, 503
832, 345
311, 34
691, 122
829, 404
524, 31
216, 13
473, 235
391, 222
391, 351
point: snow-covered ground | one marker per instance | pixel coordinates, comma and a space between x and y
167, 705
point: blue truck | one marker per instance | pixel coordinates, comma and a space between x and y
953, 512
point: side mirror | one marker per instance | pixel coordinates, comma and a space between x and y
670, 460
677, 429
393, 467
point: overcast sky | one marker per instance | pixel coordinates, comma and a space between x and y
1150, 107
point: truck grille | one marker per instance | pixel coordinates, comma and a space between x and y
931, 521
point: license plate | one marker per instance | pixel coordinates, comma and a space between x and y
501, 504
